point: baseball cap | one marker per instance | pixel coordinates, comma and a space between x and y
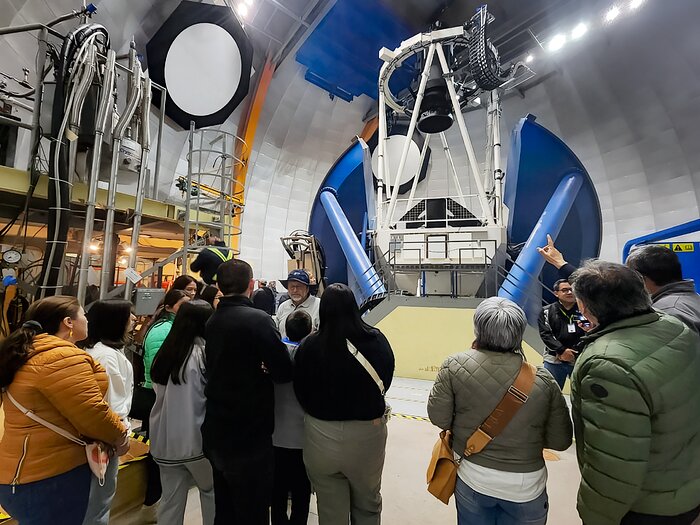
300, 276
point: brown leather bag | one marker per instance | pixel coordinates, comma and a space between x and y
442, 470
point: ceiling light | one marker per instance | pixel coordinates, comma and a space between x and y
93, 247
557, 42
122, 261
634, 4
529, 58
477, 101
612, 13
579, 31
242, 10
128, 249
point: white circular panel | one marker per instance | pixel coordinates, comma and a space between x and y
394, 148
202, 69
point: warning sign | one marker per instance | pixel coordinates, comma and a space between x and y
684, 247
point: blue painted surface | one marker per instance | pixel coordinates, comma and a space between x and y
690, 260
369, 283
668, 233
521, 285
537, 162
346, 177
342, 53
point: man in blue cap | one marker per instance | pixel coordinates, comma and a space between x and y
298, 285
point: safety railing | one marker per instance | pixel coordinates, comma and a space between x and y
437, 212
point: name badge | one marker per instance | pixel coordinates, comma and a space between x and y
572, 328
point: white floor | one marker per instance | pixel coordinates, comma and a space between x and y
411, 438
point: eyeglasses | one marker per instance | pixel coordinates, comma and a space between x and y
566, 290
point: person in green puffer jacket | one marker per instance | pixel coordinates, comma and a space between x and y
635, 404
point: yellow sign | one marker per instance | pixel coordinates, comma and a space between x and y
684, 247
679, 246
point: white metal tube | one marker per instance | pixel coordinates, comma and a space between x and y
451, 162
100, 124
497, 170
465, 137
381, 166
411, 128
141, 186
131, 105
188, 198
417, 176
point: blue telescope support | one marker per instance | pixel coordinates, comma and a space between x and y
662, 235
520, 282
369, 282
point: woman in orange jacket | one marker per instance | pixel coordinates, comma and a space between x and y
44, 477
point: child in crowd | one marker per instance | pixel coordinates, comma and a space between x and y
288, 438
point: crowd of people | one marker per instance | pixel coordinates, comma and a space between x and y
257, 403
250, 417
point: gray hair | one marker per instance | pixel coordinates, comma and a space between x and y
610, 291
499, 325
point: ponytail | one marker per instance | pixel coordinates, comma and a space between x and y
14, 351
45, 316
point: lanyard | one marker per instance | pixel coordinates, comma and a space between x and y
569, 317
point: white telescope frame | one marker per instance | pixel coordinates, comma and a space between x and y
432, 43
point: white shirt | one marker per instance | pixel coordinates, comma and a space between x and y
310, 305
518, 487
121, 378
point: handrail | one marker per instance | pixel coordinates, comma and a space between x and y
661, 235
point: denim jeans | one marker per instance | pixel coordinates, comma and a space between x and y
60, 499
474, 508
560, 371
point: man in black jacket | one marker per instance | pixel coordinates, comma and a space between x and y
210, 258
560, 332
244, 356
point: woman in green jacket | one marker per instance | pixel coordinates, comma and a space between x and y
160, 328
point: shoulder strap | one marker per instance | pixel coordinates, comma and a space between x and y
366, 365
31, 415
515, 397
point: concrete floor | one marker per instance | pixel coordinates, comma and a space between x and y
406, 500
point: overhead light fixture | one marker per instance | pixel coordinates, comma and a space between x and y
128, 249
93, 247
557, 42
436, 109
529, 58
578, 31
242, 9
634, 4
612, 13
122, 261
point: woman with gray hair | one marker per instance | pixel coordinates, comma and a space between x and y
505, 483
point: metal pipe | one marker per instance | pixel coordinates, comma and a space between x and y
38, 96
124, 121
17, 103
465, 136
669, 233
414, 185
188, 199
451, 162
141, 186
411, 128
224, 193
497, 171
34, 27
100, 125
77, 109
159, 141
529, 264
381, 166
359, 264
